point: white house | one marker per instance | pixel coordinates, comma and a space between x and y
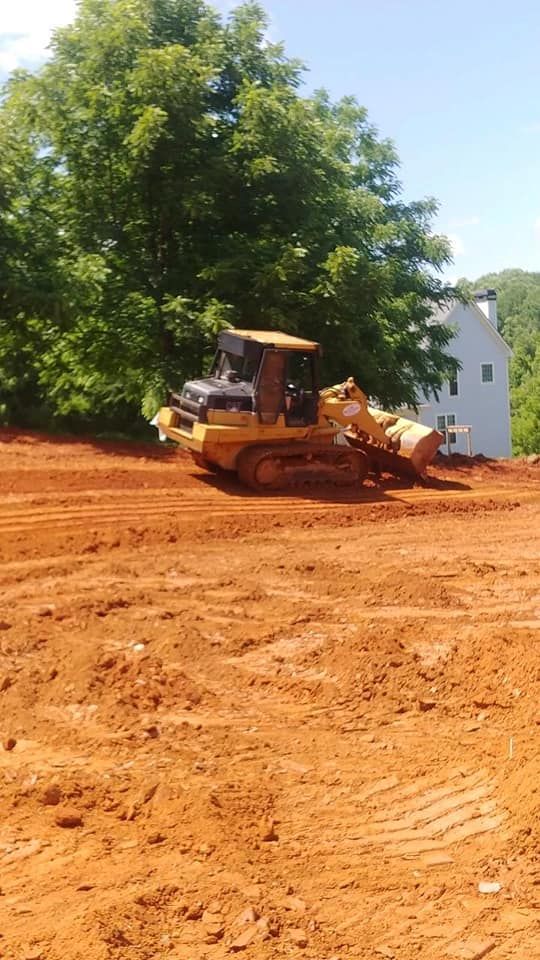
479, 395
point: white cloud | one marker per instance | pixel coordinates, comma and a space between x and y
456, 244
26, 27
536, 227
465, 221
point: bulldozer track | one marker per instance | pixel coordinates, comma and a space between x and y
291, 464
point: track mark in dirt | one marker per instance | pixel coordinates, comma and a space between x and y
434, 819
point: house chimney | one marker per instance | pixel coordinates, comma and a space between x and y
487, 301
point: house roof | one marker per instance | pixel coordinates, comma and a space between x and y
443, 314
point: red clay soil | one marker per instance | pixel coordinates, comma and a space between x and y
281, 726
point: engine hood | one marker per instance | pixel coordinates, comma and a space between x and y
204, 391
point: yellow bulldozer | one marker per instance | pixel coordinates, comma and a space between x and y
262, 414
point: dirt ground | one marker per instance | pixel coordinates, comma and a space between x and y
274, 726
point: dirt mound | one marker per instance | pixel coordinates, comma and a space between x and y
478, 468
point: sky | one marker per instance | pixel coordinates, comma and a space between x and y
454, 84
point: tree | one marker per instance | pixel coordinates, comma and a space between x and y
29, 251
191, 185
526, 410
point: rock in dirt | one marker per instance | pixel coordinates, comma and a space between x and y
249, 915
23, 910
10, 743
266, 928
211, 915
485, 886
295, 903
195, 911
299, 937
152, 732
5, 683
68, 818
244, 939
52, 795
437, 859
267, 830
156, 838
215, 906
32, 953
425, 705
214, 928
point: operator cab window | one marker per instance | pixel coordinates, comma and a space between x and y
301, 395
233, 368
300, 372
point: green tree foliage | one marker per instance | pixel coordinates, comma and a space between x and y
518, 305
163, 176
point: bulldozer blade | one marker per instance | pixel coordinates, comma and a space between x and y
381, 460
414, 445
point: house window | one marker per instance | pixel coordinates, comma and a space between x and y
453, 388
487, 372
444, 421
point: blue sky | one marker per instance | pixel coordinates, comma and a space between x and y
455, 85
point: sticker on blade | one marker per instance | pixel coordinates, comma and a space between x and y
351, 409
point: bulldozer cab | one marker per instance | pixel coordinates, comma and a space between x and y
282, 370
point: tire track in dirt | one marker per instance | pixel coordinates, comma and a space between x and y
463, 814
13, 520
